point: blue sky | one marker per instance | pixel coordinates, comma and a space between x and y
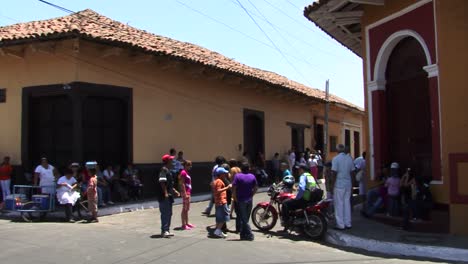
312, 56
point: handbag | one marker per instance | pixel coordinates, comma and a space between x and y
359, 175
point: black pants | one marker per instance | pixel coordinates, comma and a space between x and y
289, 205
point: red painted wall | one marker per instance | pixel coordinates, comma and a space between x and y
420, 20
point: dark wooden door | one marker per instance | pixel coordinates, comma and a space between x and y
319, 137
254, 133
104, 130
357, 144
51, 125
297, 138
348, 139
409, 116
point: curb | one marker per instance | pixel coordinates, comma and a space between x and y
394, 248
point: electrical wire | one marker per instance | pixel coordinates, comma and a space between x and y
10, 18
300, 23
273, 43
272, 46
288, 32
277, 31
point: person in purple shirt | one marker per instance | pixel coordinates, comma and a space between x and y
244, 187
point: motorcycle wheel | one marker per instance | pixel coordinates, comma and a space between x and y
317, 227
263, 218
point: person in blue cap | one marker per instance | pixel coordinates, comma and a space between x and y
220, 199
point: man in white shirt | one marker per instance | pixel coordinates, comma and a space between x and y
360, 164
342, 167
292, 159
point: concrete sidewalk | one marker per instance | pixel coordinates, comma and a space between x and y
370, 235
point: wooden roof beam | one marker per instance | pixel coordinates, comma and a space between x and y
109, 52
231, 79
344, 14
141, 58
19, 54
368, 2
47, 47
214, 75
347, 21
337, 4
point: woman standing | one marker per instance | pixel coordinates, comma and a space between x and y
186, 191
45, 173
67, 194
5, 177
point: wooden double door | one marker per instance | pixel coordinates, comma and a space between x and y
84, 122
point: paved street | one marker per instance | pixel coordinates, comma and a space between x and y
134, 238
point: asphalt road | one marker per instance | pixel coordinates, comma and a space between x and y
134, 237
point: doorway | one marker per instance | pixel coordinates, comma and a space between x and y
408, 108
80, 123
52, 129
254, 133
319, 137
104, 121
357, 144
297, 138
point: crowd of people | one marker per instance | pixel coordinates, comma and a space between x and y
233, 185
404, 195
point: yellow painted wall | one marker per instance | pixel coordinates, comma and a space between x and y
206, 116
16, 73
452, 30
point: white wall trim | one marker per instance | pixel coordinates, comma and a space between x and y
387, 47
376, 85
432, 70
398, 14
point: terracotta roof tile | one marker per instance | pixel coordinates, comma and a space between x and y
92, 25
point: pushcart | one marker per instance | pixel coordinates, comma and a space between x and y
33, 202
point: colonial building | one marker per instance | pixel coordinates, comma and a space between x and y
85, 87
415, 63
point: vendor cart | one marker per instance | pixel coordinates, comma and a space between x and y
33, 202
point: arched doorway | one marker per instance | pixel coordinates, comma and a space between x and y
254, 133
408, 107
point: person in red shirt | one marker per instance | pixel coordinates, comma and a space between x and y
220, 199
5, 177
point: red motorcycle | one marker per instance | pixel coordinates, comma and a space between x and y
311, 220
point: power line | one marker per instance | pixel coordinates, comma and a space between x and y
291, 3
289, 33
199, 12
273, 43
10, 18
236, 30
298, 22
274, 28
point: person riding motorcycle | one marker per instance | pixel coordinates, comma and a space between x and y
307, 185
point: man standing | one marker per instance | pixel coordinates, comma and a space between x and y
166, 195
244, 187
292, 158
360, 164
342, 167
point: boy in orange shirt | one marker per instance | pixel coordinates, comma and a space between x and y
220, 198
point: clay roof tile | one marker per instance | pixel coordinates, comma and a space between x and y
95, 26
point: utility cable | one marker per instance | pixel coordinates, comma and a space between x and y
288, 32
273, 43
299, 22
